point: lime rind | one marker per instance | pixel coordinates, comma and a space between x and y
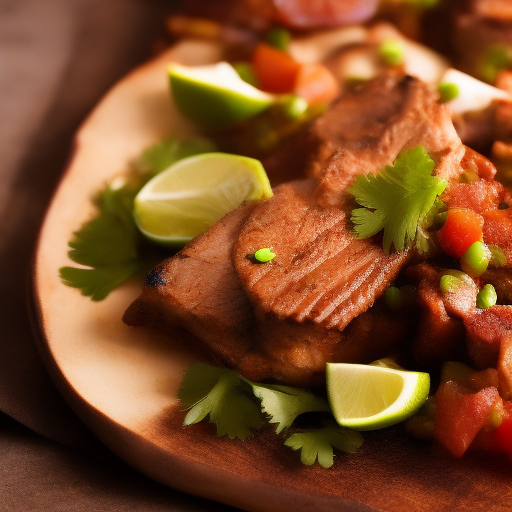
364, 397
215, 97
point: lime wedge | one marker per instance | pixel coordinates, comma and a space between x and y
193, 194
215, 96
367, 397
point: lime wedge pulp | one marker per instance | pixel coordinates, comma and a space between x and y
367, 397
215, 96
194, 193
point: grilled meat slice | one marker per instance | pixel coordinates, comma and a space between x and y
322, 273
367, 128
199, 290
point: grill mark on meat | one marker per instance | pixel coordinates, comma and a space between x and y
375, 123
328, 287
341, 275
302, 275
383, 272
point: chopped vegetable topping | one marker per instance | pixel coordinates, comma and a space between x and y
498, 257
452, 280
487, 297
462, 228
392, 52
278, 38
448, 91
264, 255
276, 70
393, 298
496, 58
476, 259
398, 200
316, 84
293, 106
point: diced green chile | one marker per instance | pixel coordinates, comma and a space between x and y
487, 297
393, 298
448, 91
475, 260
264, 255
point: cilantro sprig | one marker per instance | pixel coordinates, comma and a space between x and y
319, 443
109, 247
398, 200
238, 406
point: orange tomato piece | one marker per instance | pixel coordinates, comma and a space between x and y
276, 70
316, 84
462, 228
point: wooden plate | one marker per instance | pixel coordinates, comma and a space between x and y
123, 381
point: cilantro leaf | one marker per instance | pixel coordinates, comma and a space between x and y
283, 403
221, 394
97, 283
110, 243
397, 200
111, 237
159, 157
320, 443
231, 402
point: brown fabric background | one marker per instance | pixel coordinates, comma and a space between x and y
57, 57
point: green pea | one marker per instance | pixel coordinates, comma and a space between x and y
393, 298
475, 260
448, 91
264, 255
487, 297
392, 52
278, 38
449, 283
293, 106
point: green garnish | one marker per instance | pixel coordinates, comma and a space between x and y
452, 280
264, 255
284, 403
293, 106
392, 52
475, 260
110, 244
220, 394
319, 443
393, 298
495, 58
498, 257
278, 38
487, 297
448, 91
237, 406
159, 157
398, 200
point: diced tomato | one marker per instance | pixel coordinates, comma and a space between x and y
316, 84
461, 413
503, 437
461, 229
276, 70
